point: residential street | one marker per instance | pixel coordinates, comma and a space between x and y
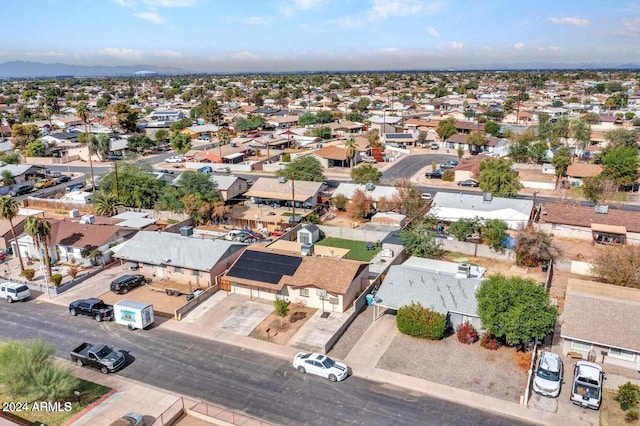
261, 386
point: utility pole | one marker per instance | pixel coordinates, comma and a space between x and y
115, 169
293, 197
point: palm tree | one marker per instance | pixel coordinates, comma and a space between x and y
9, 210
83, 113
223, 139
352, 150
40, 231
106, 204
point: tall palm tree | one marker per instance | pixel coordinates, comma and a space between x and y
40, 231
83, 112
106, 204
352, 150
9, 210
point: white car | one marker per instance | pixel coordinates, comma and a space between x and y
320, 365
175, 159
548, 375
426, 196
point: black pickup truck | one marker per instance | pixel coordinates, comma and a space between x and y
98, 356
94, 308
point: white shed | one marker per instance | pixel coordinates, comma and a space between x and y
309, 234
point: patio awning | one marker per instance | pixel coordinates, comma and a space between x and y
609, 229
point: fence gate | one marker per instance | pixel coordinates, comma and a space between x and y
225, 285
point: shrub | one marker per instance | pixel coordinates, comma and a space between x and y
467, 333
632, 416
29, 274
522, 359
73, 272
56, 279
488, 341
628, 395
448, 175
414, 320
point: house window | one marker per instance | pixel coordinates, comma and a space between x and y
304, 292
195, 273
622, 354
581, 346
177, 270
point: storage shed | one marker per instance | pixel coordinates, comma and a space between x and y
309, 234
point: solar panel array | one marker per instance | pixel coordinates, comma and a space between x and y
398, 136
264, 267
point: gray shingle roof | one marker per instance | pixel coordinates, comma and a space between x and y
185, 252
441, 293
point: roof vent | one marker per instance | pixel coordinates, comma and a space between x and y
186, 231
166, 260
601, 209
282, 179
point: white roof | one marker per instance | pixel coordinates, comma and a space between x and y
347, 189
385, 120
451, 207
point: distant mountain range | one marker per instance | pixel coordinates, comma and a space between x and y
23, 69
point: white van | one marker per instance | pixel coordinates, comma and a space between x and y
14, 291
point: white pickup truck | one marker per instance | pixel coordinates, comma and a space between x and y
586, 390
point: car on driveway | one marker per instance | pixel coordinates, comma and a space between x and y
436, 174
63, 178
94, 308
320, 365
469, 182
123, 284
175, 159
435, 146
426, 196
130, 419
586, 390
548, 375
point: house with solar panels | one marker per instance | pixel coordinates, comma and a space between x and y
327, 283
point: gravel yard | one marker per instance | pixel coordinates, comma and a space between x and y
449, 362
353, 333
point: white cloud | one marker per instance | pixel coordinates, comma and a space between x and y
289, 8
433, 32
121, 53
570, 21
630, 27
452, 45
383, 9
246, 55
388, 50
548, 48
49, 53
518, 46
170, 54
125, 3
169, 3
150, 16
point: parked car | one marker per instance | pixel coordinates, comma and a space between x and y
426, 196
130, 419
236, 235
447, 165
435, 146
223, 170
205, 169
45, 183
21, 189
320, 365
63, 178
436, 174
99, 356
548, 375
123, 284
175, 159
114, 157
75, 187
94, 308
469, 182
13, 292
586, 390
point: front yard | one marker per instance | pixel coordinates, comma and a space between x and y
357, 249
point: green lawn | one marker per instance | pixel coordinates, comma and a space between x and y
357, 249
576, 192
89, 392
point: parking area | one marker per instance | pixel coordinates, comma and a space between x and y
163, 304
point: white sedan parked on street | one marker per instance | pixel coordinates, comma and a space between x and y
175, 159
320, 365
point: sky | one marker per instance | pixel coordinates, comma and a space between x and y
320, 35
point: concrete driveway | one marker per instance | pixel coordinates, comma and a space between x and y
246, 317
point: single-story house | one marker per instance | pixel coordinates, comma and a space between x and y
195, 132
282, 191
375, 192
332, 156
576, 172
23, 172
400, 139
590, 222
600, 320
230, 186
269, 274
451, 207
170, 255
444, 287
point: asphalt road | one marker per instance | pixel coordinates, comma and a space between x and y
411, 164
259, 385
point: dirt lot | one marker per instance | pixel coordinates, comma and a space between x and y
290, 325
452, 363
163, 305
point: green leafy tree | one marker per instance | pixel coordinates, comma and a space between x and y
497, 178
561, 160
581, 131
136, 187
10, 158
365, 173
303, 168
161, 136
192, 182
538, 152
492, 128
9, 209
23, 134
139, 142
463, 229
28, 371
494, 232
307, 119
101, 146
35, 149
419, 239
7, 178
181, 142
446, 128
593, 188
515, 309
126, 118
339, 201
40, 231
281, 307
476, 141
322, 132
622, 138
418, 321
621, 165
243, 124
211, 111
